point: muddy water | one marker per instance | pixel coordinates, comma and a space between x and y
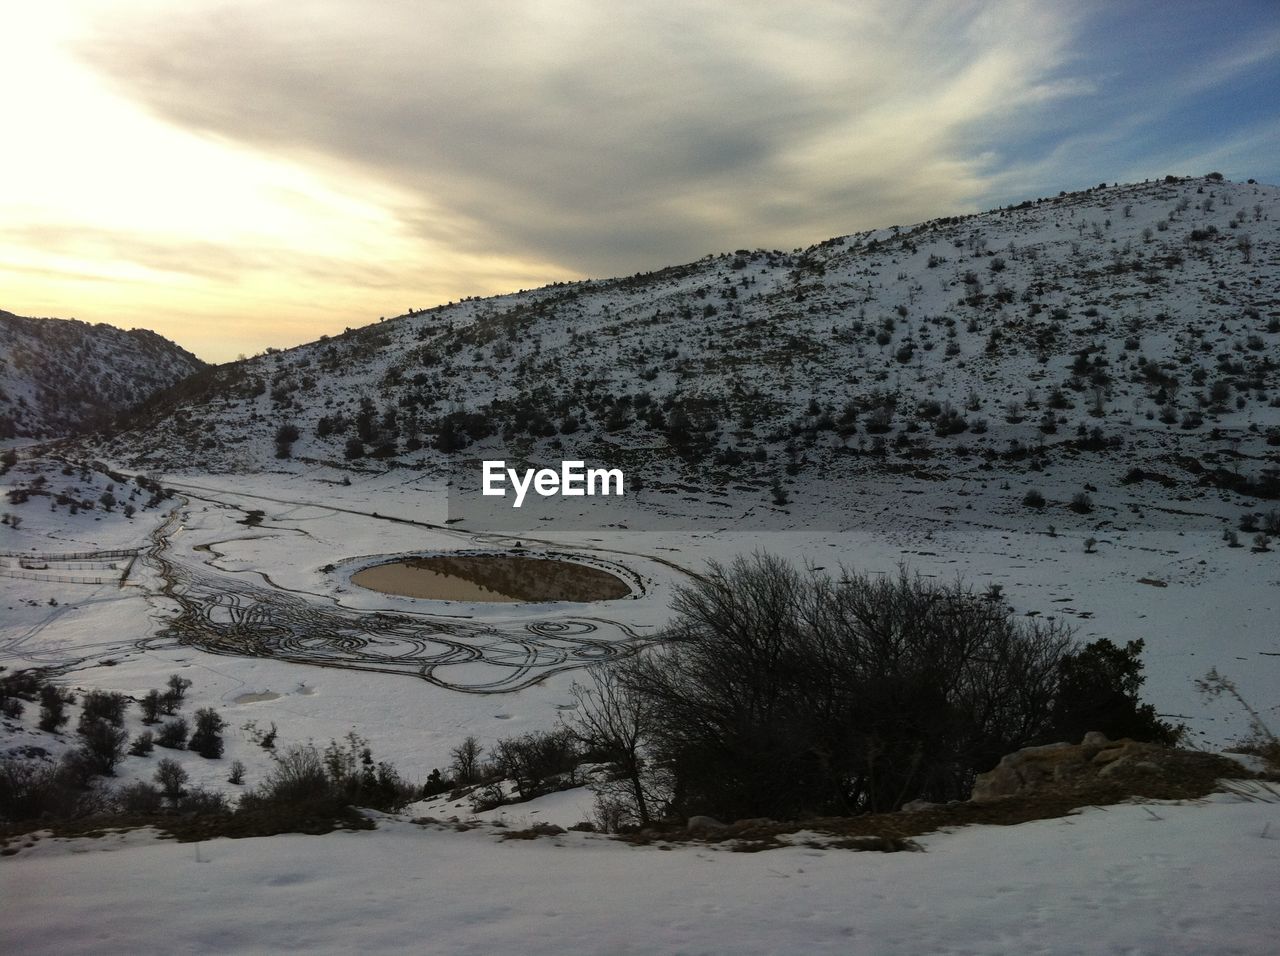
499, 578
252, 698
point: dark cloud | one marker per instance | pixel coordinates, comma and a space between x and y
218, 262
603, 138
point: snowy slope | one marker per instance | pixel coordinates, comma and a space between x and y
1149, 312
62, 376
1145, 880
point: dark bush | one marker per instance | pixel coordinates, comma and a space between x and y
207, 739
784, 694
22, 685
286, 435
53, 707
298, 776
178, 686
25, 788
35, 789
103, 705
312, 784
138, 799
362, 781
152, 705
101, 745
436, 784
173, 734
539, 762
615, 725
202, 802
950, 422
465, 761
1098, 690
142, 744
171, 777
77, 769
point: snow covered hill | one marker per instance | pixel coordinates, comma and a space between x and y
1073, 404
1143, 318
62, 376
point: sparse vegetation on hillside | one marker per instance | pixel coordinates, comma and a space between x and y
62, 377
1111, 320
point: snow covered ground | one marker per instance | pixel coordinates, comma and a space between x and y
1196, 602
1134, 311
1158, 879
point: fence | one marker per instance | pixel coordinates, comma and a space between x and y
72, 555
39, 564
60, 578
50, 566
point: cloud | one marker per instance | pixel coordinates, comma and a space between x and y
1184, 102
240, 174
604, 137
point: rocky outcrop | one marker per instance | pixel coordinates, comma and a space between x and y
1098, 763
704, 824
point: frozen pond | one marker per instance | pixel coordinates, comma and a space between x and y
499, 578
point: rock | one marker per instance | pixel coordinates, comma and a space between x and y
1116, 763
915, 806
753, 822
704, 824
1028, 769
1096, 760
1110, 755
1095, 741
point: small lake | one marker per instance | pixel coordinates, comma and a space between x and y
496, 578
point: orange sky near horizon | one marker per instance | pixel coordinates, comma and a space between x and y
237, 175
112, 215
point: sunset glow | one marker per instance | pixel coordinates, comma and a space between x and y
235, 176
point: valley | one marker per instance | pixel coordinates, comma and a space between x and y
1067, 410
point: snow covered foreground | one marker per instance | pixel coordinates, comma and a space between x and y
1135, 879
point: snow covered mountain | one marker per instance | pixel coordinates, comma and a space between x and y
1073, 404
63, 376
1143, 320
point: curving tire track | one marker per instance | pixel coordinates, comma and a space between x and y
221, 614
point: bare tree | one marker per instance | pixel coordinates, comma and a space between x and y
466, 760
615, 722
171, 777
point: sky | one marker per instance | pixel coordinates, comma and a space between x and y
238, 174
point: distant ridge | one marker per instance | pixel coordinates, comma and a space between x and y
61, 377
